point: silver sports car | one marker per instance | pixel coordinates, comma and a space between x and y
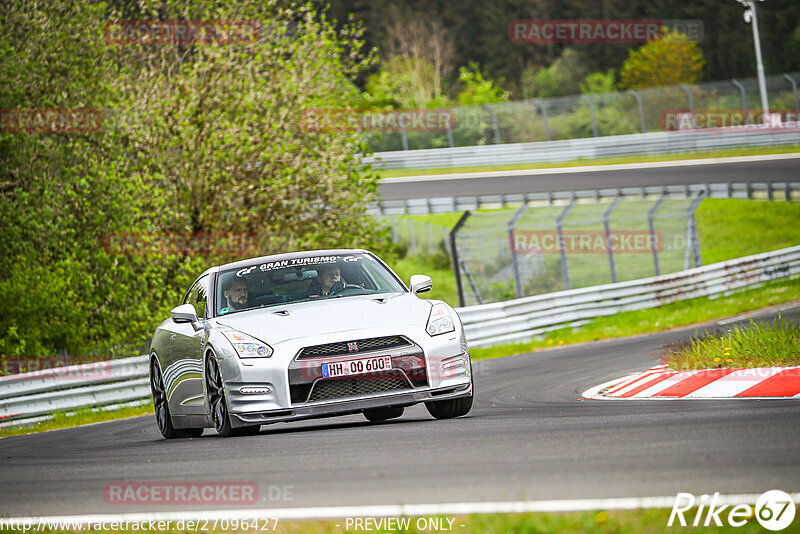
303, 335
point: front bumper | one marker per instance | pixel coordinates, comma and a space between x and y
353, 405
434, 367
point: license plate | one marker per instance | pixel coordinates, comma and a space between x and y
356, 367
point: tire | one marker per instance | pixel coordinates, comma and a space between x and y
376, 415
448, 409
218, 404
163, 417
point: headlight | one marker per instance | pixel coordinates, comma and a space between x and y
439, 321
248, 346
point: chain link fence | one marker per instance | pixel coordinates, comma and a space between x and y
697, 106
510, 253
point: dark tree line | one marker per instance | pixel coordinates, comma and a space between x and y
479, 31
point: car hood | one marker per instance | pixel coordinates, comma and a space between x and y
284, 322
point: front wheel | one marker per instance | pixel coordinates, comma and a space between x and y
219, 405
447, 409
161, 405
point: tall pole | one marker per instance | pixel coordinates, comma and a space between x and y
750, 16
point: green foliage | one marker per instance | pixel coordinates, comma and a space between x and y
670, 60
563, 77
477, 88
599, 82
204, 137
405, 82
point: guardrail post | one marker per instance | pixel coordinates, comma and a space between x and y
561, 248
454, 253
395, 235
744, 97
651, 216
494, 124
411, 236
404, 136
540, 104
472, 283
691, 103
641, 109
591, 114
794, 90
769, 191
692, 240
513, 246
607, 226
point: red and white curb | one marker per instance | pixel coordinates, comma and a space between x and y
660, 382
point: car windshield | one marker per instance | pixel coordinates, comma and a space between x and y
302, 278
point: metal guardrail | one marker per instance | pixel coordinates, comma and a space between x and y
424, 206
31, 396
586, 148
520, 320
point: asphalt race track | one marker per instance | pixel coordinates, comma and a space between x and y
529, 436
768, 170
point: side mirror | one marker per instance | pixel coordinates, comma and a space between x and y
185, 313
420, 283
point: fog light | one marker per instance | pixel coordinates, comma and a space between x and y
252, 390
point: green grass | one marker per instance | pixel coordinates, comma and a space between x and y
667, 317
757, 344
651, 521
730, 152
444, 283
732, 228
80, 417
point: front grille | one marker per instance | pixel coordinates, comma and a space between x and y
364, 345
339, 388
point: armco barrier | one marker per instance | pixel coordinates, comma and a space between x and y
586, 148
29, 396
423, 206
521, 319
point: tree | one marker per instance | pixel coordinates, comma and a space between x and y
670, 60
477, 88
561, 78
418, 57
204, 137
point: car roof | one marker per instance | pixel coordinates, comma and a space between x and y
286, 256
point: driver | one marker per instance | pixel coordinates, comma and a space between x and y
329, 281
236, 294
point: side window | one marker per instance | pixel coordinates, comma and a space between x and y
198, 296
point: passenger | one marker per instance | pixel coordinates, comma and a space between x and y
236, 294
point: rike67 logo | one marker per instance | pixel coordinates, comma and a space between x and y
774, 510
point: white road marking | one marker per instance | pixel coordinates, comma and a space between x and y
588, 168
333, 512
